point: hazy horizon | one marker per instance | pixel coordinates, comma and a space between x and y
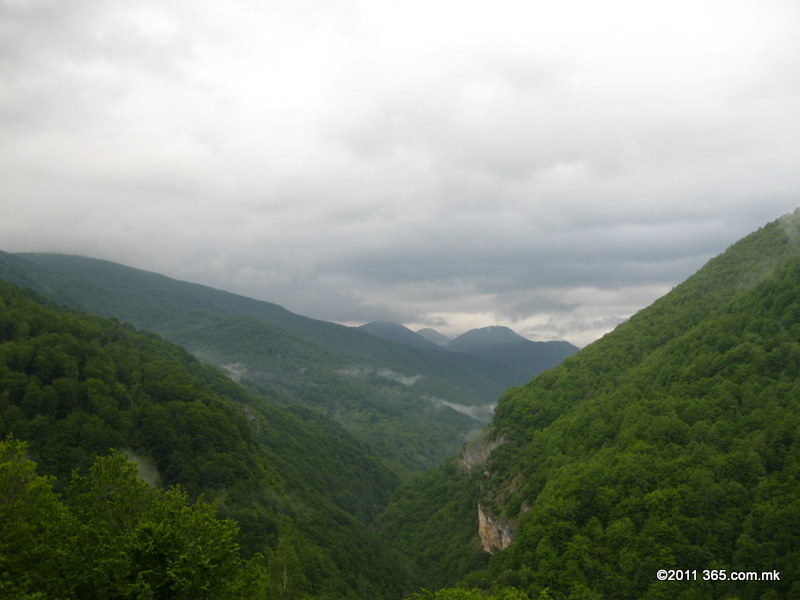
553, 168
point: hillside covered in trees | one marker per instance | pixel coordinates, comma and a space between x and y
405, 402
671, 443
74, 387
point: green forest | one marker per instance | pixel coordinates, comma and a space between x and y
671, 443
111, 535
129, 469
346, 374
75, 387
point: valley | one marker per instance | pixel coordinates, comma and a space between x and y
398, 397
371, 462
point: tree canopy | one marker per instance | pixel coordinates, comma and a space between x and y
671, 443
73, 387
111, 535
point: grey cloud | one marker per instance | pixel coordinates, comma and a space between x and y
502, 257
510, 165
534, 303
567, 328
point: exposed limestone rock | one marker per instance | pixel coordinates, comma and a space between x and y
496, 534
477, 454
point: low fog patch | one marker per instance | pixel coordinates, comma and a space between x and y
364, 373
236, 371
145, 465
482, 413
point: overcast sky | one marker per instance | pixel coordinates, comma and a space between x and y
551, 166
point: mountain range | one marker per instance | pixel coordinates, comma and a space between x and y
497, 343
415, 405
660, 461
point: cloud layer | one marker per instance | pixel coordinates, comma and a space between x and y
552, 166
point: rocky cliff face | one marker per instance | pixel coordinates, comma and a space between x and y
496, 534
476, 454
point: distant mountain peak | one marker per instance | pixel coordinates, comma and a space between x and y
506, 346
434, 336
398, 333
385, 325
486, 336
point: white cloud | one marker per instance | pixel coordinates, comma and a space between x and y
437, 162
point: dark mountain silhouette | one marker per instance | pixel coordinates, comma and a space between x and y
398, 333
511, 349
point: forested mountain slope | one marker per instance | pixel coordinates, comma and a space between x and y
671, 443
399, 398
75, 386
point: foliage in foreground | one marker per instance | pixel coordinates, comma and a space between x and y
111, 535
73, 386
